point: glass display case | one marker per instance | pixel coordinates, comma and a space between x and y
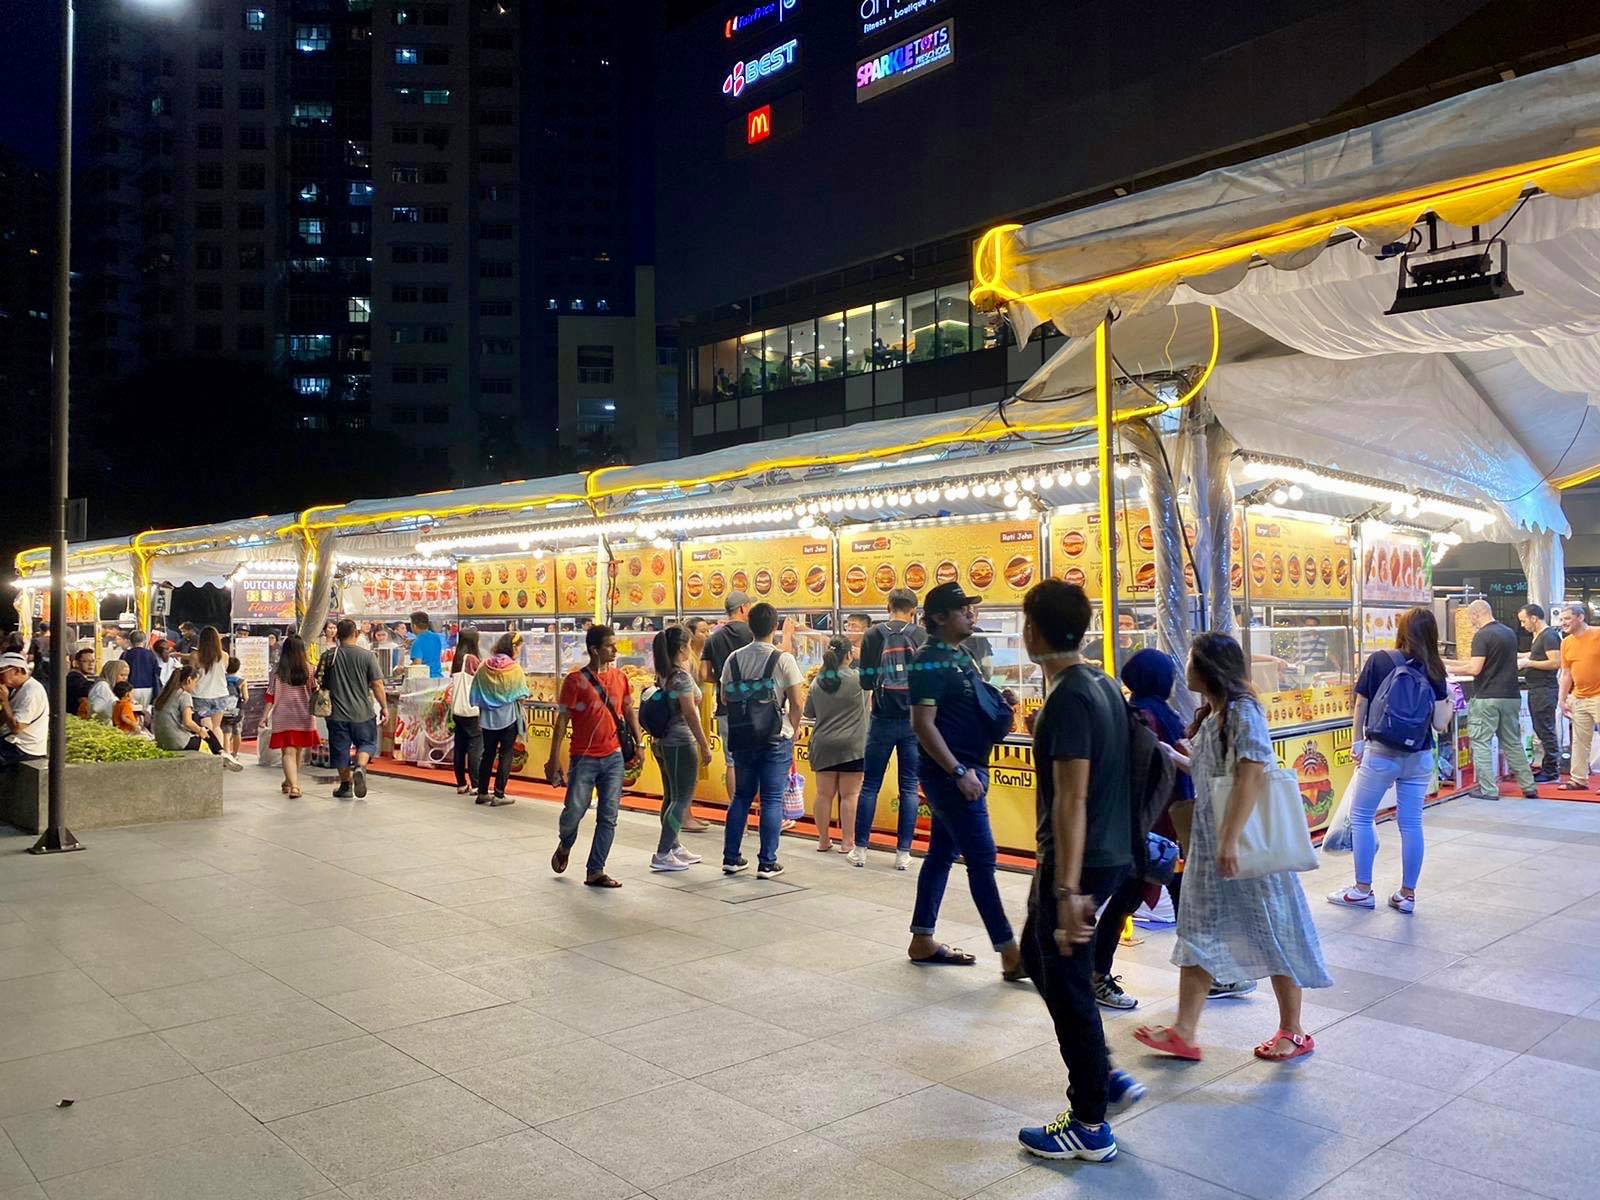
997, 648
1300, 648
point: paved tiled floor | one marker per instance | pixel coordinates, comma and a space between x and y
396, 999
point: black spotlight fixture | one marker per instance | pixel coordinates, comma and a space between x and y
1464, 273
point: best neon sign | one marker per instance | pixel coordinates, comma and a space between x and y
748, 74
916, 56
758, 15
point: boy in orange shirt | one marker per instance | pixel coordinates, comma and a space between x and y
122, 714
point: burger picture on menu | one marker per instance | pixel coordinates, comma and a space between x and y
572, 597
1019, 572
522, 572
1294, 569
1277, 568
946, 572
741, 581
1188, 575
1144, 578
718, 583
635, 593
658, 565
1327, 571
635, 566
916, 576
488, 601
571, 569
981, 572
541, 598
1147, 538
469, 602
522, 599
467, 577
788, 581
505, 599
1258, 568
1233, 538
884, 577
658, 594
816, 580
1073, 543
693, 585
1236, 576
1076, 576
1341, 572
589, 569
541, 572
763, 581
855, 580
1316, 784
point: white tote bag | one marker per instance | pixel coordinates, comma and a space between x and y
1276, 837
461, 695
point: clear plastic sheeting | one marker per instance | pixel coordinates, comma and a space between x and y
1544, 564
1166, 523
1207, 450
314, 604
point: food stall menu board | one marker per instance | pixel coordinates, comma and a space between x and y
642, 580
1395, 569
791, 573
263, 599
577, 579
1075, 552
400, 593
507, 587
83, 609
1297, 560
998, 560
1305, 706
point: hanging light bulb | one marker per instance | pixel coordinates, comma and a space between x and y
1029, 483
1082, 478
524, 544
1296, 492
1024, 507
1010, 500
1279, 495
1122, 470
877, 499
991, 490
1009, 486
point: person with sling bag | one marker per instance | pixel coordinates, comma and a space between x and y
595, 702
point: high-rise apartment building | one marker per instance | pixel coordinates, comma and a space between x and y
27, 254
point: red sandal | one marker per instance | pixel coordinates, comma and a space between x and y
1162, 1040
1303, 1044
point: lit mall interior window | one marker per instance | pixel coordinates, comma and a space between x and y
802, 353
775, 358
749, 365
858, 340
921, 338
953, 315
888, 334
830, 346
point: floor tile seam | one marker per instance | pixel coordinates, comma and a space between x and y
577, 1112
85, 1045
160, 1033
411, 1165
1188, 1174
1464, 1168
332, 1103
1583, 1129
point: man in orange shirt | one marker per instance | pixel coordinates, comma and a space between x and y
1580, 689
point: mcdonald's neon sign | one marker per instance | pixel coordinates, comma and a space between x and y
758, 125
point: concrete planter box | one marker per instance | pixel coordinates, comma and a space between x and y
100, 795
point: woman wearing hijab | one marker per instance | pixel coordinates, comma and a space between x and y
498, 689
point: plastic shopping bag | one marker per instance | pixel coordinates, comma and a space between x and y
794, 796
265, 754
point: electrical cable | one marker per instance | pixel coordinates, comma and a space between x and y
1548, 475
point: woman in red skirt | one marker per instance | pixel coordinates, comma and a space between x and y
289, 710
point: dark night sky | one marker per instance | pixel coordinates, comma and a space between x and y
28, 62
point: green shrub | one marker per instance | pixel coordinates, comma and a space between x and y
93, 742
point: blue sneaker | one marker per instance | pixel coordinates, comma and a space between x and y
1067, 1138
1123, 1091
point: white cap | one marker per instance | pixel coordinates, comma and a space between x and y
13, 660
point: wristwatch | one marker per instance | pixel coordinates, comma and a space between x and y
958, 772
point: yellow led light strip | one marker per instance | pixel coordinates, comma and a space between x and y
1578, 480
989, 259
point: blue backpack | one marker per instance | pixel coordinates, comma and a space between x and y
1401, 714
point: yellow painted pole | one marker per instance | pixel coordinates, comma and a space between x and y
141, 589
1108, 553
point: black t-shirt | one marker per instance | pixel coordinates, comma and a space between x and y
735, 635
1546, 645
1497, 646
890, 702
1084, 717
1380, 666
945, 676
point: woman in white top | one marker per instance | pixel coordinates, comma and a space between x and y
101, 698
211, 682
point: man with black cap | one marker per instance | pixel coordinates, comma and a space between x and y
733, 634
957, 717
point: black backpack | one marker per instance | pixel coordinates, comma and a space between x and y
754, 721
1151, 777
892, 681
655, 712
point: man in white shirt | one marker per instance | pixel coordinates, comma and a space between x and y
24, 713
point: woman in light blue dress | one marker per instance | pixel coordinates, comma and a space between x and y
1233, 929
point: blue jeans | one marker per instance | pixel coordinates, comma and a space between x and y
1410, 774
960, 826
768, 770
886, 736
584, 777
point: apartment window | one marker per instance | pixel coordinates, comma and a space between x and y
404, 135
435, 335
253, 58
252, 338
498, 347
405, 14
208, 338
208, 297
491, 268
596, 364
252, 97
406, 95
308, 113
252, 257
311, 39
495, 116
360, 194
496, 39
407, 56
436, 56
252, 297
311, 230
435, 293
495, 77
403, 414
404, 214
252, 137
308, 347
435, 375
358, 310
403, 253
552, 304
252, 175
403, 335
312, 385
208, 175
491, 232
494, 308
405, 173
436, 97
494, 387
208, 256
210, 18
310, 192
435, 414
494, 154
402, 375
208, 216
436, 214
497, 191
436, 14
208, 58
577, 305
435, 254
208, 95
435, 173
255, 20
437, 136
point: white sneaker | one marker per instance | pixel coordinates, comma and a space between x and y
1352, 897
230, 763
902, 860
683, 856
1403, 903
667, 862
857, 857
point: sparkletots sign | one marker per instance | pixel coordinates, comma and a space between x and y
919, 55
756, 16
751, 72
